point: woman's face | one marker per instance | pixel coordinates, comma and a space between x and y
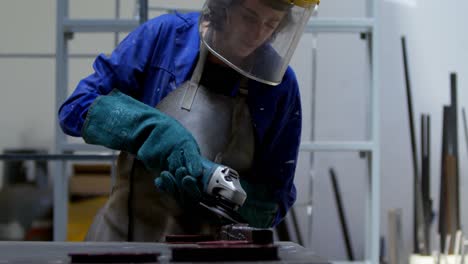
248, 25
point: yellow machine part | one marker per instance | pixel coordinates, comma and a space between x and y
81, 215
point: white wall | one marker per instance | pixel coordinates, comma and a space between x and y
436, 44
26, 85
342, 92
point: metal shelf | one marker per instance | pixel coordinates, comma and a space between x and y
65, 28
57, 157
324, 25
72, 147
99, 25
337, 146
340, 25
44, 55
368, 24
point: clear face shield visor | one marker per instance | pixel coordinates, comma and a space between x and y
255, 37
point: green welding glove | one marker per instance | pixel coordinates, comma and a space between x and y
120, 122
188, 192
181, 185
259, 209
187, 189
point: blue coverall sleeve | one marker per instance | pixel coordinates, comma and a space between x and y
284, 154
124, 70
288, 148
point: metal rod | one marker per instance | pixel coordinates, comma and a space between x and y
465, 126
373, 200
297, 230
410, 108
454, 143
117, 16
448, 241
418, 219
456, 248
443, 210
61, 82
343, 222
310, 201
425, 178
395, 236
143, 11
464, 244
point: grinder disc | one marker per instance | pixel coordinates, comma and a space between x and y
223, 211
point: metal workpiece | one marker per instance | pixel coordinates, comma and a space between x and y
246, 233
59, 252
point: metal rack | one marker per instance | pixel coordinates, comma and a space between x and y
371, 147
67, 26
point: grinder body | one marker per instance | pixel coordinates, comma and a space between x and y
222, 191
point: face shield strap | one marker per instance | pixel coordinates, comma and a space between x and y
192, 89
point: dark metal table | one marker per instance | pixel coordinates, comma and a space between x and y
57, 252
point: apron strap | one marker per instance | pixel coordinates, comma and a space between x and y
191, 91
244, 86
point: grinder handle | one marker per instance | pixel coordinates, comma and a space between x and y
209, 168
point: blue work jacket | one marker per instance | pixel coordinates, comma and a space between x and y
159, 56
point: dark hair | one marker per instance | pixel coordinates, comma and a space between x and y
216, 11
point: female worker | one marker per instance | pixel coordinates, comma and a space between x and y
184, 87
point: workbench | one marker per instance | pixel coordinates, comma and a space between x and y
57, 252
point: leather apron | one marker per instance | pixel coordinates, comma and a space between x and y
136, 209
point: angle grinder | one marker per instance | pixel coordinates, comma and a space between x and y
222, 191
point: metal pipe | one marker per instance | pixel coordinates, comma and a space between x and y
465, 128
143, 11
454, 143
342, 216
61, 82
418, 218
373, 201
310, 202
425, 178
117, 16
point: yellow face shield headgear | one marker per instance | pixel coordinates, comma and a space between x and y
257, 38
